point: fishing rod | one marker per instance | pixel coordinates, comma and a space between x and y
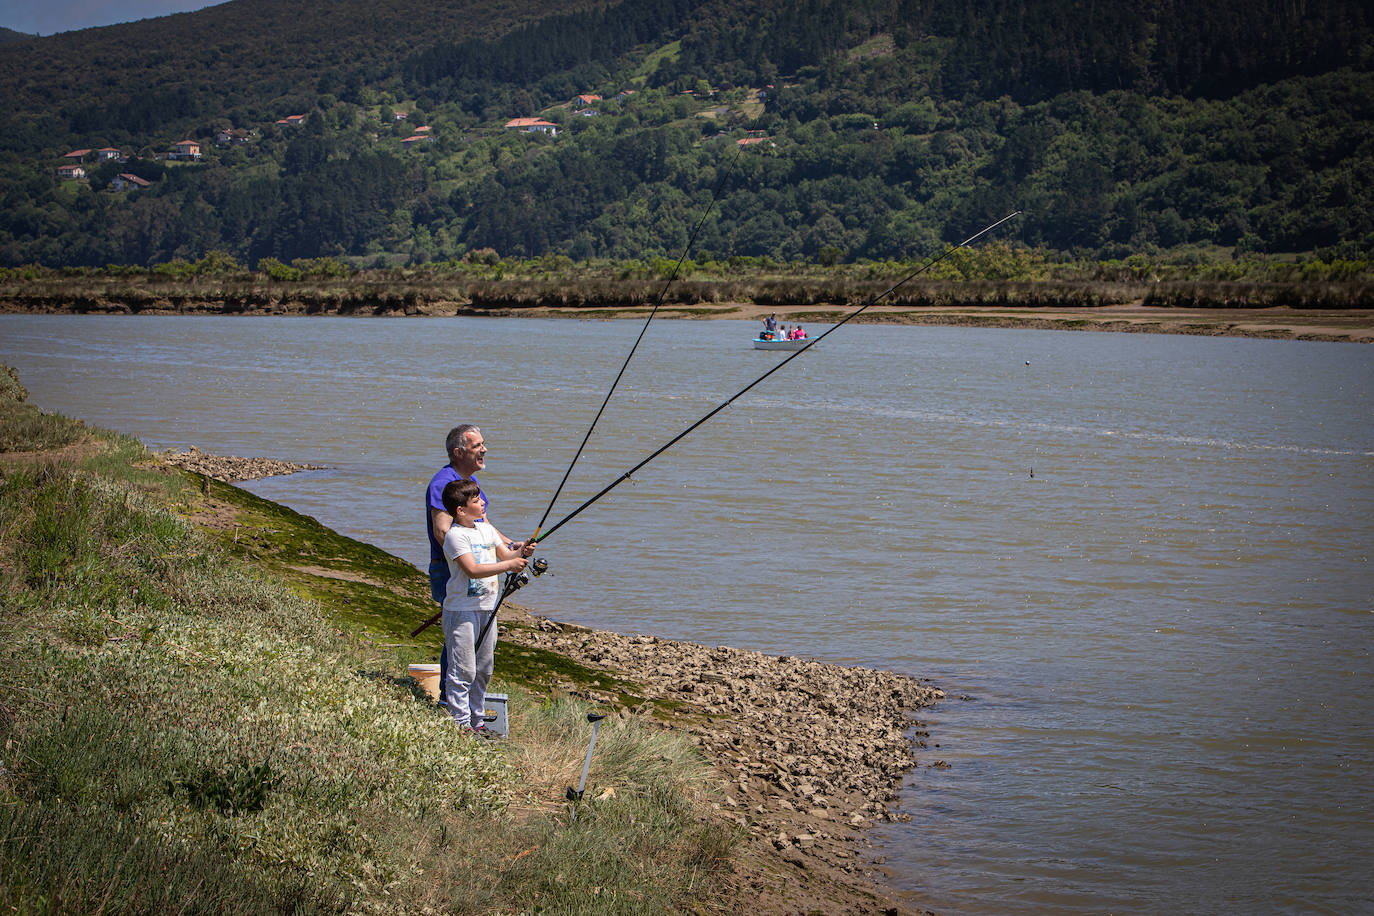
514, 582
682, 435
663, 292
654, 311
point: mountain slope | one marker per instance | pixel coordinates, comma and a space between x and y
859, 129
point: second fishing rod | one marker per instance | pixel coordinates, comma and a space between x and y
515, 581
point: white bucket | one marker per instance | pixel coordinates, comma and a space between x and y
428, 676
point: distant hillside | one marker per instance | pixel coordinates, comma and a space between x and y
382, 130
8, 35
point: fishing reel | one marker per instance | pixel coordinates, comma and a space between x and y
537, 567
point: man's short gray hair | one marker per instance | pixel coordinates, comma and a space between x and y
456, 438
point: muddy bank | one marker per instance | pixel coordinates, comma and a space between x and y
1128, 312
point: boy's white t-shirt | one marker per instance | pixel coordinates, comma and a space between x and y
464, 593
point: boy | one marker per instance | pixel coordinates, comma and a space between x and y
476, 556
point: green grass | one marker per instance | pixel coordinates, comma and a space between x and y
190, 724
24, 427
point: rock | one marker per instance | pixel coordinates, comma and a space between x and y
230, 468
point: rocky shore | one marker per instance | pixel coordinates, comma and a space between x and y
232, 469
812, 753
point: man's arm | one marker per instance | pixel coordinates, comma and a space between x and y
439, 522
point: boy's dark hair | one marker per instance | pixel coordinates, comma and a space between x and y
458, 493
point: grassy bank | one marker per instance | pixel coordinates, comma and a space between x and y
203, 710
992, 275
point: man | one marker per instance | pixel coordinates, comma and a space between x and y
467, 454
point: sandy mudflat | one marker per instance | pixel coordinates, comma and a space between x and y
1351, 325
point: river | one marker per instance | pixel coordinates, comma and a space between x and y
1138, 564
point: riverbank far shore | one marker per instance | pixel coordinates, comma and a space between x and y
1276, 323
1353, 325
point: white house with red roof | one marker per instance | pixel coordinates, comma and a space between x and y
77, 155
533, 125
108, 153
70, 171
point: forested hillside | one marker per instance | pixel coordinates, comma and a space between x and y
380, 130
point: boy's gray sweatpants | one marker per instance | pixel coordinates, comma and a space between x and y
469, 668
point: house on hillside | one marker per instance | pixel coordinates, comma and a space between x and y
231, 137
533, 125
751, 141
399, 115
108, 153
185, 149
291, 121
587, 113
70, 172
77, 155
124, 181
585, 100
414, 139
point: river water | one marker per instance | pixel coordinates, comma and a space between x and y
1138, 564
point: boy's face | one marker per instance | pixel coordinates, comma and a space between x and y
472, 510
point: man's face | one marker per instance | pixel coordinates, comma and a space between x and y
471, 456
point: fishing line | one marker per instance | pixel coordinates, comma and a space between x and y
654, 311
682, 435
511, 581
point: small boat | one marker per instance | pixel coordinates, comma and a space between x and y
761, 344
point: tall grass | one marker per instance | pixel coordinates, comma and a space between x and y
181, 733
24, 427
992, 273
